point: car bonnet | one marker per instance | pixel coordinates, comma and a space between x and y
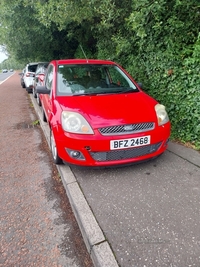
112, 109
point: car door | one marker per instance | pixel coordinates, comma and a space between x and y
47, 98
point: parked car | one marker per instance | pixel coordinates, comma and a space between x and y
11, 70
39, 78
4, 70
22, 78
29, 75
100, 121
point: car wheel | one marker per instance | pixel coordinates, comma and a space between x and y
44, 118
23, 85
56, 158
38, 100
29, 90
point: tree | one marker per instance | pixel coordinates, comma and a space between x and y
28, 39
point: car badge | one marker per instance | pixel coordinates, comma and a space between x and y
128, 127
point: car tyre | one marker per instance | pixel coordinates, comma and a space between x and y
44, 118
56, 158
34, 94
29, 90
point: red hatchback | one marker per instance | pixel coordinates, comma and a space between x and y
99, 116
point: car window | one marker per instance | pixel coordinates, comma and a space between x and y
116, 77
49, 78
32, 68
38, 70
81, 79
41, 68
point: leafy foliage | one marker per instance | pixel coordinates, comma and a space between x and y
168, 61
158, 42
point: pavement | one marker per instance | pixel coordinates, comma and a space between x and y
186, 153
97, 243
37, 224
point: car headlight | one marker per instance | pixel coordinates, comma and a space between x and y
161, 114
74, 122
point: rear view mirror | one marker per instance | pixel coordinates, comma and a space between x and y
42, 90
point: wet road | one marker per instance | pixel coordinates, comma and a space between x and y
37, 225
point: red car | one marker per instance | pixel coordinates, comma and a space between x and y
99, 116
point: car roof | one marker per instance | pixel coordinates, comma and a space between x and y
84, 61
32, 63
43, 62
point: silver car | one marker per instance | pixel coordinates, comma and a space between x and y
29, 76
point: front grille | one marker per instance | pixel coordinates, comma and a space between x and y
127, 128
125, 153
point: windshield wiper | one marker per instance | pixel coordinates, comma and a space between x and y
94, 93
81, 94
128, 90
118, 91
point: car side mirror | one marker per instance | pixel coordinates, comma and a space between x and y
42, 90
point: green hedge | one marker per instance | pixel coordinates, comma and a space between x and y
178, 88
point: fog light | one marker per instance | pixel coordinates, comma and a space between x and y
75, 154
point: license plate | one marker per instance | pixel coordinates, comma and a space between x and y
131, 142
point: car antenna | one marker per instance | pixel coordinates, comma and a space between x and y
84, 53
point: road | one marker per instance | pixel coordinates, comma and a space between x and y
5, 75
37, 225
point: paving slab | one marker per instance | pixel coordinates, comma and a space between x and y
187, 153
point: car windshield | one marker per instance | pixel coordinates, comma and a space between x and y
88, 79
32, 68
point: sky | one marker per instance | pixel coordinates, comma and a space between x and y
2, 57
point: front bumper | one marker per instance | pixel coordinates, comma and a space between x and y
95, 149
28, 81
